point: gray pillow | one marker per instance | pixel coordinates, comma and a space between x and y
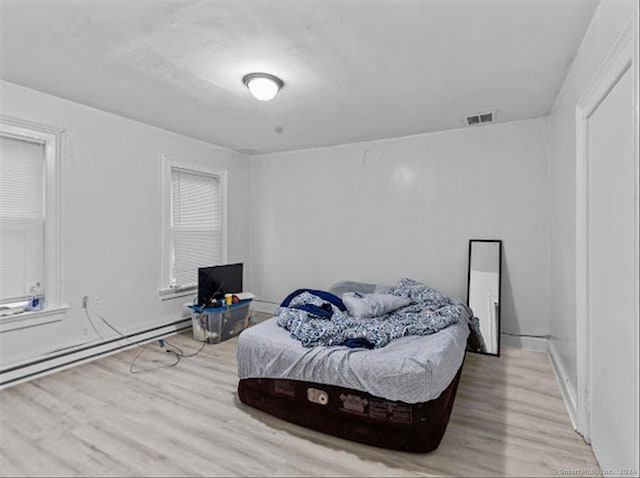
340, 288
363, 306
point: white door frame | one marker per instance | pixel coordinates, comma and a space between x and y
622, 58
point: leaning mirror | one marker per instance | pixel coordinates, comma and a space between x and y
483, 295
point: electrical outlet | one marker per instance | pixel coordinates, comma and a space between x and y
85, 301
98, 300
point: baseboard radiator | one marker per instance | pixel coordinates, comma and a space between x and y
61, 360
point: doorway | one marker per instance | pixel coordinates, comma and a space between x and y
607, 258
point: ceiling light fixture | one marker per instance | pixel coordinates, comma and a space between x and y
263, 86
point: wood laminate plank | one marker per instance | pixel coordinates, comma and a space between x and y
98, 419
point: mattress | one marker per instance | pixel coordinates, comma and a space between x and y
412, 369
354, 415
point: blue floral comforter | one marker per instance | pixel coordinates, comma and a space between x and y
429, 312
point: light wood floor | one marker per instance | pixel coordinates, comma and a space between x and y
98, 419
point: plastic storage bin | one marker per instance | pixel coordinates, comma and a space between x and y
222, 323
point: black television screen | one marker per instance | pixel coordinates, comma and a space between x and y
214, 282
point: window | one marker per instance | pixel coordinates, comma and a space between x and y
30, 180
194, 223
21, 217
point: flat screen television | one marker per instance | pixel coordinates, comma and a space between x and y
214, 282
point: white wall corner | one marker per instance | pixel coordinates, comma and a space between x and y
566, 389
537, 344
262, 306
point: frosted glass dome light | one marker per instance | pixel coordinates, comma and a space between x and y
263, 86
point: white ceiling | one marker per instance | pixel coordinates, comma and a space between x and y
353, 71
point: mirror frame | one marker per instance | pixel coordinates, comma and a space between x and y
499, 242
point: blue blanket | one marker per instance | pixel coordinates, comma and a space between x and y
429, 312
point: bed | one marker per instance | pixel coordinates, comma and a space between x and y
399, 396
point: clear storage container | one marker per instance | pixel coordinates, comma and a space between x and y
215, 325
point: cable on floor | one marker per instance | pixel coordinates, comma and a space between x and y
182, 354
177, 353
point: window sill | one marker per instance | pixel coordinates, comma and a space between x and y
174, 293
32, 318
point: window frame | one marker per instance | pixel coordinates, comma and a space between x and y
169, 163
53, 140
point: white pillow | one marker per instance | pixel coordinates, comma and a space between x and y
362, 306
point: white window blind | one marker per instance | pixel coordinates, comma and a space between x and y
196, 224
21, 217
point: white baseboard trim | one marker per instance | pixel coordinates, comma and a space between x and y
63, 360
538, 344
568, 394
263, 306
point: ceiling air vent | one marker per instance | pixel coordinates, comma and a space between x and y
479, 118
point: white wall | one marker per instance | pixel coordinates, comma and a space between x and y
607, 23
112, 217
381, 210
